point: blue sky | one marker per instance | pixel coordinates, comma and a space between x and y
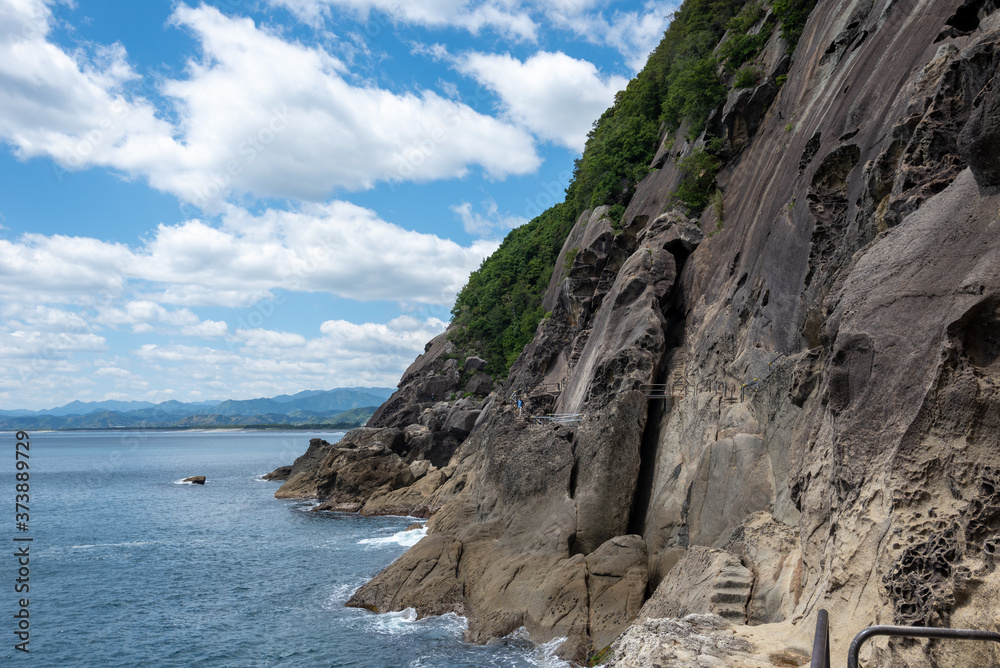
243, 198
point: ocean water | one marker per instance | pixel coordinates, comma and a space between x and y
128, 567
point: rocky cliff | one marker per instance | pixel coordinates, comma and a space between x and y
792, 407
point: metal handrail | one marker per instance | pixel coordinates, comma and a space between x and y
821, 642
752, 385
914, 632
561, 418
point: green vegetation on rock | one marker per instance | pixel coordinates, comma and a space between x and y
748, 77
742, 46
792, 14
500, 307
699, 170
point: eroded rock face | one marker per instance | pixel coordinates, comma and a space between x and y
826, 424
425, 578
864, 450
414, 500
979, 141
542, 509
697, 640
771, 551
626, 342
617, 586
433, 378
303, 480
348, 472
705, 580
280, 473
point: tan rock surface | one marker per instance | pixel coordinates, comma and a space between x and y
833, 365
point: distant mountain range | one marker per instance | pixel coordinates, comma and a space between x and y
343, 407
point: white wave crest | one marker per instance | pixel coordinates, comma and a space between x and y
404, 538
134, 543
395, 623
405, 622
545, 656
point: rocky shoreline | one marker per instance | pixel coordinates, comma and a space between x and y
791, 409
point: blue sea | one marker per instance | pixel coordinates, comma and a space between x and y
129, 567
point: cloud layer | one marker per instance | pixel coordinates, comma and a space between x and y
47, 369
337, 248
632, 32
261, 130
256, 114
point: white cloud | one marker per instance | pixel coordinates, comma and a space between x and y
338, 248
116, 372
152, 352
257, 114
42, 318
489, 224
269, 339
146, 317
632, 32
553, 95
42, 269
465, 14
404, 336
261, 362
120, 379
42, 382
206, 329
48, 345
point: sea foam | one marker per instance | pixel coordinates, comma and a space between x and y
404, 538
405, 622
134, 543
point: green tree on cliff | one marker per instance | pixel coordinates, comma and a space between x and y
500, 307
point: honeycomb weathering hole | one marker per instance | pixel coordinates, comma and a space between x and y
980, 334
